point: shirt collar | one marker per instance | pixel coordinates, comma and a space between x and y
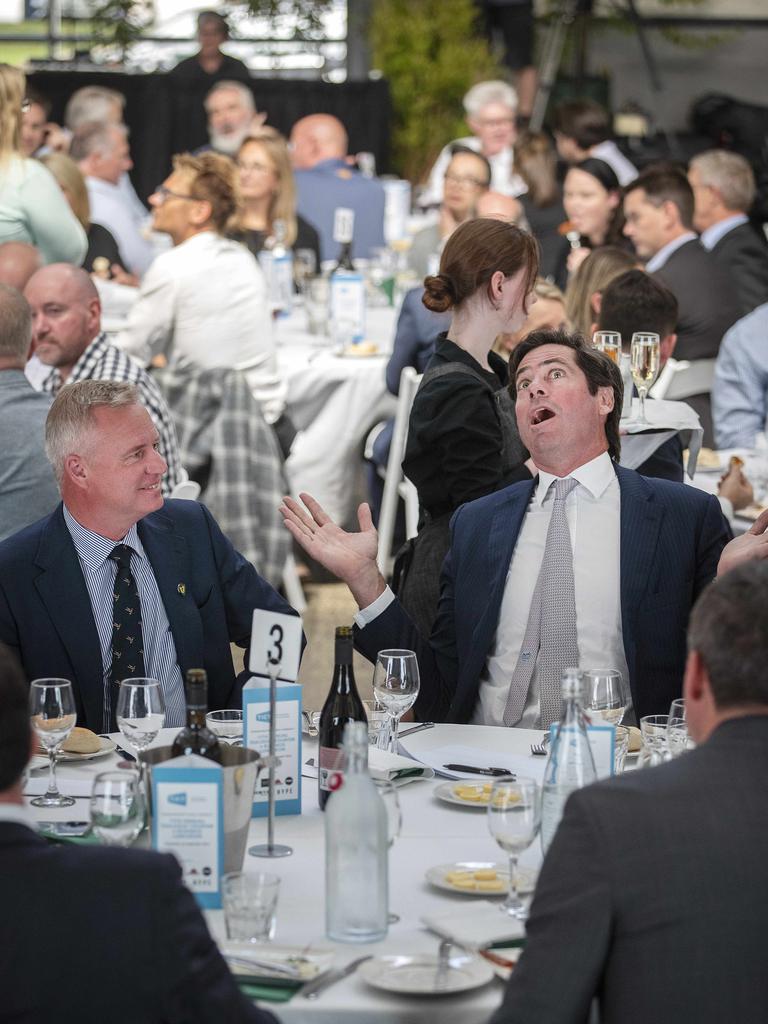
92, 548
17, 814
712, 235
595, 475
657, 261
81, 370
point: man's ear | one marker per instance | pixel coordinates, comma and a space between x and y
696, 681
667, 347
606, 399
76, 471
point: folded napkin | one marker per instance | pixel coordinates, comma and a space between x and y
266, 993
386, 767
477, 927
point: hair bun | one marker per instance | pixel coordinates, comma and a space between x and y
439, 293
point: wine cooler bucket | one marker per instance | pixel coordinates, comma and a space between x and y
241, 768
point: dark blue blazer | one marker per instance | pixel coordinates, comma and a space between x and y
671, 539
208, 589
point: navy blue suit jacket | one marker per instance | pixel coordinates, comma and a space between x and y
208, 589
671, 539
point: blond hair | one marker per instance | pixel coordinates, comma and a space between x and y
282, 206
212, 179
595, 273
13, 87
71, 415
72, 183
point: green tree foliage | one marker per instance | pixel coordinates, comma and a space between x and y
431, 52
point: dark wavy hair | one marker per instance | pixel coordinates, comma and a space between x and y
600, 371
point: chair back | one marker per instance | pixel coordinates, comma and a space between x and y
396, 485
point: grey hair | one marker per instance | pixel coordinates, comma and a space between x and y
92, 103
15, 324
95, 137
71, 415
483, 93
229, 85
730, 174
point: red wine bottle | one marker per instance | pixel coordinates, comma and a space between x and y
342, 705
196, 737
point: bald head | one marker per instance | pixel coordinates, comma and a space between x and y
18, 262
66, 314
498, 207
315, 138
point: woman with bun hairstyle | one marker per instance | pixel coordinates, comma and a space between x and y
462, 436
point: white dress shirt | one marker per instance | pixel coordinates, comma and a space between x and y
593, 511
657, 261
204, 303
114, 210
503, 176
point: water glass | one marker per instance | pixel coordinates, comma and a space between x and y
620, 749
654, 732
53, 717
514, 819
603, 695
677, 709
227, 725
140, 711
609, 343
378, 725
396, 686
678, 738
117, 808
250, 905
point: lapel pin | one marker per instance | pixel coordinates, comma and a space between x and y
182, 588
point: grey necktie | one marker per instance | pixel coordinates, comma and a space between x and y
550, 643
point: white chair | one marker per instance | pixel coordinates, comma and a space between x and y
187, 489
681, 378
396, 485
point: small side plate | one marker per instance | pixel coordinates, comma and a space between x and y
418, 975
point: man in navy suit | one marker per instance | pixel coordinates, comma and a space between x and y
58, 578
89, 933
642, 551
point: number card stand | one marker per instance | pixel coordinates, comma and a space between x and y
275, 654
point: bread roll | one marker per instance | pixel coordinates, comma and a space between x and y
82, 741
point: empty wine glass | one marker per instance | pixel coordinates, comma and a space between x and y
396, 686
604, 697
514, 818
53, 716
609, 343
140, 712
117, 809
645, 354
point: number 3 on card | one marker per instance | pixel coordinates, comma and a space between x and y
275, 644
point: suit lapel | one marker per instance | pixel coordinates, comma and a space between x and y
62, 589
171, 562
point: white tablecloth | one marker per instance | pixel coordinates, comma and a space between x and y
433, 833
665, 420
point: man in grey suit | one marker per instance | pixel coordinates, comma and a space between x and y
28, 488
652, 897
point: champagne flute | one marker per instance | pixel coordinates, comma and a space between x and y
514, 819
53, 716
604, 698
117, 812
644, 355
609, 343
396, 686
140, 712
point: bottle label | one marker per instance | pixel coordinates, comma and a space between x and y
330, 768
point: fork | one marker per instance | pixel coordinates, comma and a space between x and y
540, 749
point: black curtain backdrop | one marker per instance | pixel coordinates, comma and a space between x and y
165, 119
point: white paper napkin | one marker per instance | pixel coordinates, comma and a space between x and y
384, 766
477, 926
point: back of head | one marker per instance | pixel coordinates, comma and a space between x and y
212, 178
93, 104
729, 630
495, 206
14, 720
472, 254
730, 174
18, 262
635, 301
327, 134
493, 91
70, 180
12, 91
94, 137
666, 183
599, 370
536, 163
595, 273
15, 326
584, 121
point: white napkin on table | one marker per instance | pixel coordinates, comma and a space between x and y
477, 926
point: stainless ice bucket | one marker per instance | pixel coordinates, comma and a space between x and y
241, 768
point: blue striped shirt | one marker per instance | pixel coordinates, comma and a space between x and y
99, 570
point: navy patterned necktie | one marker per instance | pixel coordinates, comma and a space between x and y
127, 639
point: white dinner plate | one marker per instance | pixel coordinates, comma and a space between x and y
445, 791
107, 746
417, 975
526, 877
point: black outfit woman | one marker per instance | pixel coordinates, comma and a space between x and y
462, 444
545, 223
306, 238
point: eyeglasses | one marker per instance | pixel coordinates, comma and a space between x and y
465, 182
495, 122
26, 105
259, 168
164, 193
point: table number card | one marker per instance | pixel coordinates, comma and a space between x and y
602, 740
188, 821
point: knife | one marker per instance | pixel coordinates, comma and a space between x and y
313, 988
416, 728
478, 771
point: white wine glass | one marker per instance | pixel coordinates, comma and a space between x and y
604, 696
609, 343
396, 686
53, 715
644, 354
514, 819
117, 808
140, 712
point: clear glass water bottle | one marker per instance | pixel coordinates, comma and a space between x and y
570, 764
356, 841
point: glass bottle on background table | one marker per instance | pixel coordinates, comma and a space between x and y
570, 764
342, 705
196, 737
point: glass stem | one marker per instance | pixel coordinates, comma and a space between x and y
53, 789
393, 733
513, 899
642, 404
